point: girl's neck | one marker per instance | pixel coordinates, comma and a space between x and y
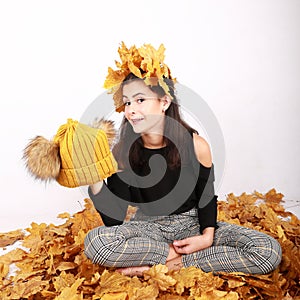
153, 141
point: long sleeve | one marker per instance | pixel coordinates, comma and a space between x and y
110, 202
207, 205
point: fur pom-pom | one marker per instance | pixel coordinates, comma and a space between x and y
108, 126
42, 158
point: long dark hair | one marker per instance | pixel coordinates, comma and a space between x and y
129, 147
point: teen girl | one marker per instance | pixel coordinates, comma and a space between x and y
176, 221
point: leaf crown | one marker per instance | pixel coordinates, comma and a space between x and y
146, 63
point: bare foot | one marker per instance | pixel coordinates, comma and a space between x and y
175, 264
133, 271
172, 253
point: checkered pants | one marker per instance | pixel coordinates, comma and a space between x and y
145, 241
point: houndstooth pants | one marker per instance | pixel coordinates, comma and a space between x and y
145, 241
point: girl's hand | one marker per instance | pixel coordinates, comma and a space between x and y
96, 187
195, 243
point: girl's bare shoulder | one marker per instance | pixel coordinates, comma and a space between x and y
202, 150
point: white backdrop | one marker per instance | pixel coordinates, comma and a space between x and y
241, 57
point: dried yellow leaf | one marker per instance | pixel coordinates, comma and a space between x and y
232, 296
63, 280
149, 292
157, 275
114, 296
232, 283
145, 62
66, 265
281, 233
11, 237
24, 289
64, 215
186, 278
4, 269
112, 282
55, 267
12, 256
70, 293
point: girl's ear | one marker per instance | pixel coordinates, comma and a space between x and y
166, 101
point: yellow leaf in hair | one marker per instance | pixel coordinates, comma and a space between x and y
118, 100
164, 86
146, 52
152, 81
130, 59
133, 69
114, 78
144, 62
161, 53
134, 57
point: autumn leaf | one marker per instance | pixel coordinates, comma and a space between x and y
186, 278
149, 292
114, 78
63, 281
144, 62
112, 282
157, 275
55, 266
24, 289
114, 296
4, 268
11, 237
70, 293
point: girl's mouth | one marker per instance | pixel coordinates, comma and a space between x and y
136, 120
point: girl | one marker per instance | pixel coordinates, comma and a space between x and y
176, 221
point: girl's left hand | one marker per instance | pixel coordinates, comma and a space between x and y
194, 243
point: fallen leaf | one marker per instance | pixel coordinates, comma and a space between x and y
70, 293
11, 237
55, 266
157, 275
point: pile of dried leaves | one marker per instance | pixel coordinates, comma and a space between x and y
55, 266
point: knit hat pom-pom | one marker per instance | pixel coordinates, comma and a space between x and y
42, 158
108, 126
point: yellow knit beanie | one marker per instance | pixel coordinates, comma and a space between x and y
78, 155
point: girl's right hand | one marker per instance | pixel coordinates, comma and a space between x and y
96, 187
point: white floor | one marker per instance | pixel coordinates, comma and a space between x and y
293, 206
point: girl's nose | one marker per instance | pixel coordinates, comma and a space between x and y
131, 109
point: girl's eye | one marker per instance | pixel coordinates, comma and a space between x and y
139, 101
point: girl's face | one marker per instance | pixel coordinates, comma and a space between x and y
144, 110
